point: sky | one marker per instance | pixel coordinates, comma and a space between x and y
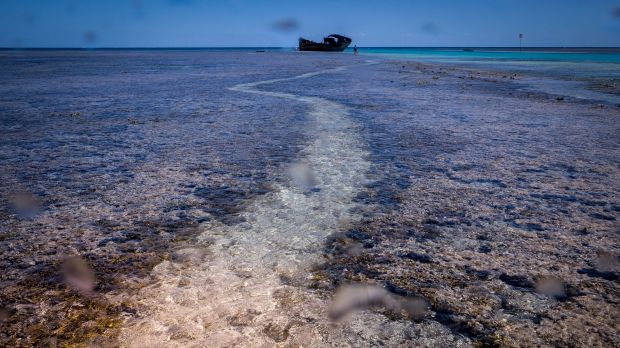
278, 23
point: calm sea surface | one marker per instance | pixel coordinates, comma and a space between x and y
578, 63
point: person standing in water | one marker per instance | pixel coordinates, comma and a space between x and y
355, 50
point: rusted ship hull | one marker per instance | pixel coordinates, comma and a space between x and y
331, 43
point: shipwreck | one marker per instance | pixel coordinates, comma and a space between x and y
331, 43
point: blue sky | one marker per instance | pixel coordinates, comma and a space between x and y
194, 23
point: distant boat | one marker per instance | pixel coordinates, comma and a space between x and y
331, 43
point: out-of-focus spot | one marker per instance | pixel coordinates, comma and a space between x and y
181, 2
90, 37
287, 25
78, 274
138, 9
350, 298
551, 286
430, 28
71, 7
4, 314
415, 308
355, 249
606, 262
190, 255
302, 176
16, 42
616, 12
28, 17
24, 204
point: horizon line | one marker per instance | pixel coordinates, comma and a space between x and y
284, 47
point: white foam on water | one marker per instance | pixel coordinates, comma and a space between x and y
234, 287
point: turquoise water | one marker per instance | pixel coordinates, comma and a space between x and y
602, 55
584, 64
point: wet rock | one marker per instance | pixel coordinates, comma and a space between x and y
603, 217
423, 258
517, 281
361, 237
485, 249
357, 235
276, 332
591, 272
509, 188
190, 255
245, 318
483, 275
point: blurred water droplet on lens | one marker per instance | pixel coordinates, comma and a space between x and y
287, 25
28, 17
71, 7
302, 176
16, 42
90, 37
415, 308
4, 314
353, 297
78, 274
138, 9
355, 249
180, 2
350, 298
606, 262
430, 28
24, 204
551, 286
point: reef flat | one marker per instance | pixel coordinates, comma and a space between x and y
224, 198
